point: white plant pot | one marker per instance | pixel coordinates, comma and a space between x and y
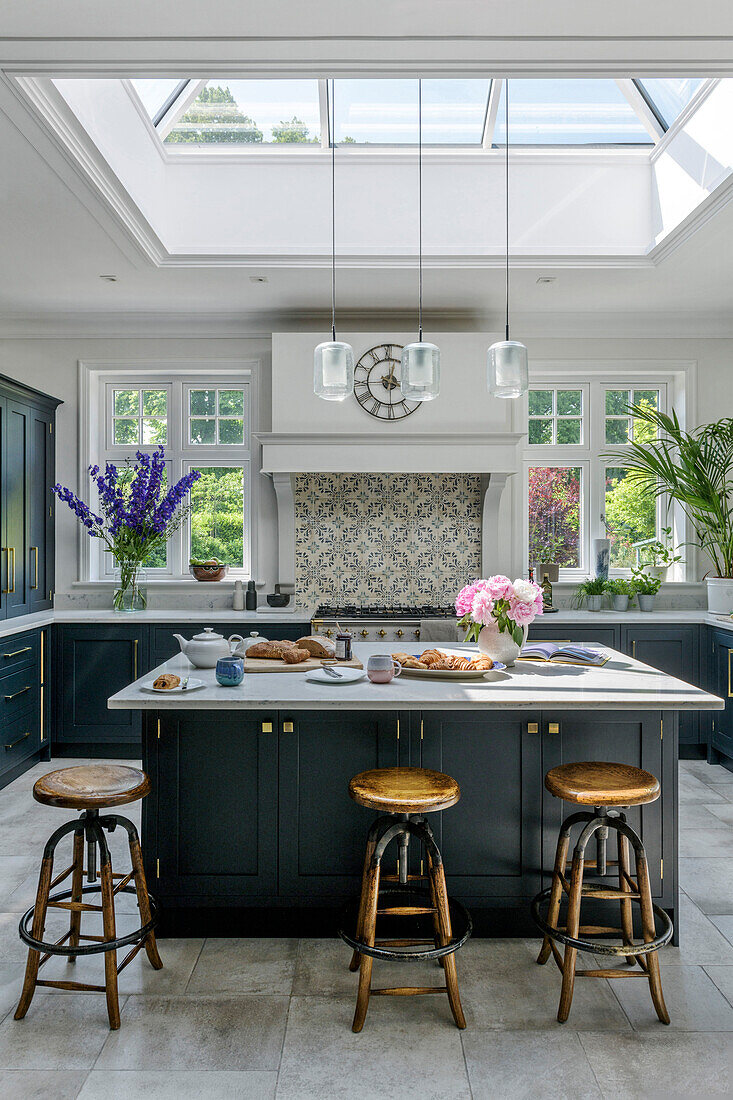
595, 603
720, 595
646, 603
499, 646
657, 571
620, 603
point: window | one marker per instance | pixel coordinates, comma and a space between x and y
670, 96
203, 421
569, 112
575, 488
251, 112
384, 112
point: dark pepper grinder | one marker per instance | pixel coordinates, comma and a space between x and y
250, 598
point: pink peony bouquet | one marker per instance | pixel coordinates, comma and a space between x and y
512, 605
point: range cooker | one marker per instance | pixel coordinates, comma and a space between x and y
377, 621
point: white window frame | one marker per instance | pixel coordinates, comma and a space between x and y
675, 383
97, 381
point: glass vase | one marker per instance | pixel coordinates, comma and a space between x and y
130, 587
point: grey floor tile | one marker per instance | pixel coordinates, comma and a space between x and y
197, 1033
707, 843
13, 871
60, 1033
725, 924
172, 1085
700, 941
711, 774
723, 977
693, 1001
323, 969
409, 1048
723, 812
503, 987
692, 789
660, 1065
40, 1084
709, 882
518, 1064
245, 966
694, 816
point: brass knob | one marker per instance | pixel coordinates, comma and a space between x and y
417, 632
364, 633
553, 727
382, 633
287, 727
328, 633
400, 633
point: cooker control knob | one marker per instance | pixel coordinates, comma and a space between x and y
417, 632
364, 633
400, 633
328, 632
382, 633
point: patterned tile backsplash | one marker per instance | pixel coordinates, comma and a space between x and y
377, 538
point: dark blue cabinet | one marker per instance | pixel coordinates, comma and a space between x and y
720, 747
545, 630
23, 712
674, 648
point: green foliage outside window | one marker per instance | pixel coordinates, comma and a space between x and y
215, 118
217, 515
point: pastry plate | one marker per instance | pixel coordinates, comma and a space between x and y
346, 676
193, 685
453, 674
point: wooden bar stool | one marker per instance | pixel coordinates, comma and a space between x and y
602, 786
405, 795
89, 789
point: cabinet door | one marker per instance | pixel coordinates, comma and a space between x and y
625, 738
322, 832
40, 504
217, 804
95, 662
722, 685
15, 491
675, 649
490, 840
547, 631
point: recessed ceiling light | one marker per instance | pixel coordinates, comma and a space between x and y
258, 279
547, 279
109, 278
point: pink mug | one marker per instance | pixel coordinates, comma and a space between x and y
382, 667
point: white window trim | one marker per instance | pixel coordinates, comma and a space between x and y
94, 378
679, 377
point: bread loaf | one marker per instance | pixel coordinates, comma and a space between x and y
293, 655
271, 650
317, 645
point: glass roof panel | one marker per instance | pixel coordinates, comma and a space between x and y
251, 112
670, 96
384, 112
153, 93
569, 112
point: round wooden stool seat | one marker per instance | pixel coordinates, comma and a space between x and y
404, 790
595, 783
91, 786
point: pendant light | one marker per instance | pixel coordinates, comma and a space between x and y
333, 361
507, 365
420, 362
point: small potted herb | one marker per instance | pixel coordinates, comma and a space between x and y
621, 591
658, 557
645, 587
591, 591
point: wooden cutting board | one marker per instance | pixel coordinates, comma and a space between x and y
263, 664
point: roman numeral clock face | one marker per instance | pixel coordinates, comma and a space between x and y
377, 384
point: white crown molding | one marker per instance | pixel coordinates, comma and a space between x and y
689, 226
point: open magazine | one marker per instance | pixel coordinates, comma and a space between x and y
562, 654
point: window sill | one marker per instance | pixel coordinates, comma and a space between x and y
171, 582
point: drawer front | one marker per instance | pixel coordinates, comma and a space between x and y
20, 691
19, 650
20, 738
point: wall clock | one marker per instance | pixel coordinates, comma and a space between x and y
377, 384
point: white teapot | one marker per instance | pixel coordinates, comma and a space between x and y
204, 650
240, 650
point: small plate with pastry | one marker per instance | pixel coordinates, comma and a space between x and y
440, 664
170, 684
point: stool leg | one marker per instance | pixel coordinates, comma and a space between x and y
434, 903
39, 922
369, 927
648, 931
573, 925
437, 875
368, 854
627, 921
95, 835
141, 888
77, 879
553, 913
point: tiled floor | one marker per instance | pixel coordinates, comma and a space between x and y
264, 1018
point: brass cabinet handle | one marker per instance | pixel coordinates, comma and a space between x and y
553, 727
17, 652
21, 738
11, 550
35, 572
533, 727
730, 654
134, 653
267, 727
288, 727
633, 648
6, 550
17, 693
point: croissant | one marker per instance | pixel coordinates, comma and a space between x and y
431, 656
481, 663
460, 664
167, 681
412, 662
403, 658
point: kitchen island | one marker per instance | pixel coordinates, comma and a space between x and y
250, 830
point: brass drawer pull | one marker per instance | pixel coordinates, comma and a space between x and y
22, 737
17, 693
730, 655
533, 727
35, 572
267, 727
17, 652
553, 727
288, 727
134, 650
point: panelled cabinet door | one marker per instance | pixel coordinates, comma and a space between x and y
547, 631
624, 737
15, 442
322, 832
217, 785
675, 649
41, 507
491, 839
94, 663
722, 685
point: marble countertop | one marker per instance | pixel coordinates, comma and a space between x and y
621, 684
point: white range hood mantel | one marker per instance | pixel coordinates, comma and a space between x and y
495, 456
379, 452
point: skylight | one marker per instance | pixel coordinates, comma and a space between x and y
669, 97
251, 112
384, 112
569, 112
154, 94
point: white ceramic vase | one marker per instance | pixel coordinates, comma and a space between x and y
499, 646
720, 595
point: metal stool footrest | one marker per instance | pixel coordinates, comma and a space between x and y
89, 949
593, 945
461, 924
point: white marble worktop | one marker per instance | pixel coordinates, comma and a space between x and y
622, 684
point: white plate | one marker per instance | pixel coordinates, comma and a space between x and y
452, 673
193, 685
346, 676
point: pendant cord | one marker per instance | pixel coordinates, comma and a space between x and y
333, 214
506, 185
419, 203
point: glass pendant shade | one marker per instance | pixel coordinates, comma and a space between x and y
507, 369
333, 370
420, 371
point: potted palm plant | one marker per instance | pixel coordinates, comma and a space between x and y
695, 469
